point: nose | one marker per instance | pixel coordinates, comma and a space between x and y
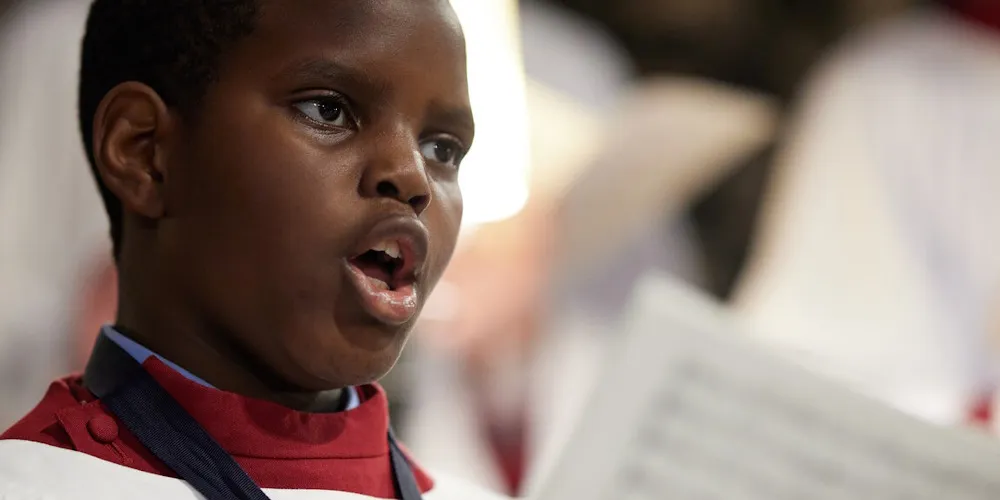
397, 171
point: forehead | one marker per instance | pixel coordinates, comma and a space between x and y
391, 43
350, 21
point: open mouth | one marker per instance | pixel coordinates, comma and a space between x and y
385, 265
386, 268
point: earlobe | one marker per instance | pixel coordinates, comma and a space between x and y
130, 129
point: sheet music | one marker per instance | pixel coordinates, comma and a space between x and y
691, 410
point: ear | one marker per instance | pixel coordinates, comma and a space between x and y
131, 128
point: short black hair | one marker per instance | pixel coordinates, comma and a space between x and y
173, 46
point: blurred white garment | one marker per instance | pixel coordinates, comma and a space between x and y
629, 159
673, 139
51, 218
878, 262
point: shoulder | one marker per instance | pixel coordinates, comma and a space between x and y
11, 491
34, 471
12, 486
27, 469
23, 465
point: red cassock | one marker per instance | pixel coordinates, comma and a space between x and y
70, 446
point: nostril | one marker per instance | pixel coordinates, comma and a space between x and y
387, 189
419, 203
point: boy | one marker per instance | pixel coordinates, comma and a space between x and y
282, 182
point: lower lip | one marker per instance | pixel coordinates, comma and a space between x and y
393, 307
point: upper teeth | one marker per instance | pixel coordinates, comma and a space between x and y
391, 248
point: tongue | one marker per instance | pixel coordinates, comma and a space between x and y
373, 267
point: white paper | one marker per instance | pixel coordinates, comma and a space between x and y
690, 409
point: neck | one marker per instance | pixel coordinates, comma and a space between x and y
982, 12
209, 353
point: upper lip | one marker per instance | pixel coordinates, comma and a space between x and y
411, 236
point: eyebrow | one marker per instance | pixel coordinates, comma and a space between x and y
325, 71
457, 118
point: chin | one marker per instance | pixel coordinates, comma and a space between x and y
346, 363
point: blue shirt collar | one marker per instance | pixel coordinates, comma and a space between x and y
141, 353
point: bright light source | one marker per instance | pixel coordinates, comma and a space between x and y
495, 175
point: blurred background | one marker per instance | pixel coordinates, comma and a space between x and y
826, 168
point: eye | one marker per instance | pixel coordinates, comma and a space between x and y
330, 111
443, 150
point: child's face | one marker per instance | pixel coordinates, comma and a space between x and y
274, 191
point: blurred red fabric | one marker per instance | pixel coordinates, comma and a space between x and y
986, 12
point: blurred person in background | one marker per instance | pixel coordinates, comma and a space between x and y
877, 260
53, 233
540, 295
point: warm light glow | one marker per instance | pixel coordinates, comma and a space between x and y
495, 174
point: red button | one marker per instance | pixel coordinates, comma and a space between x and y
103, 429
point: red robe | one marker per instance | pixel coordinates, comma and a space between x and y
280, 449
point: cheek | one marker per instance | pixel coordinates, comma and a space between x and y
445, 223
257, 167
451, 193
239, 192
256, 215
266, 181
